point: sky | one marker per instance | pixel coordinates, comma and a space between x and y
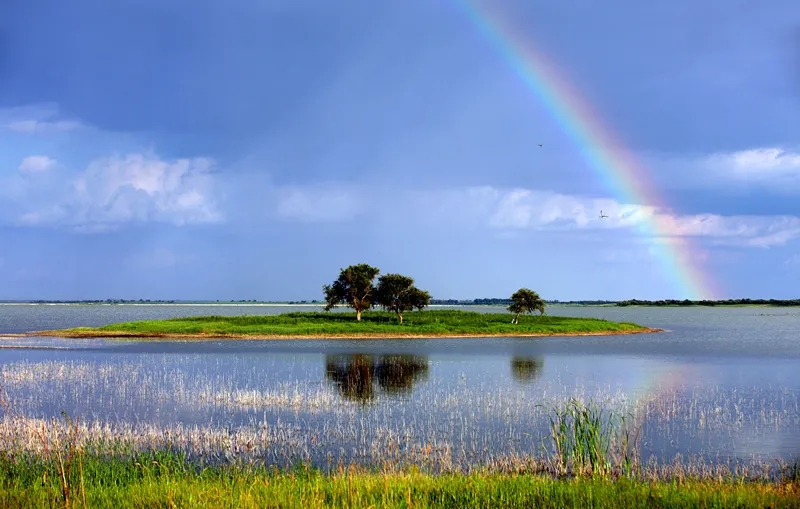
245, 149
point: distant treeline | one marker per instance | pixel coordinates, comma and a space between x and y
472, 302
728, 302
158, 301
506, 302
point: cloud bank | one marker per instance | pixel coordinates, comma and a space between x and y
116, 190
521, 209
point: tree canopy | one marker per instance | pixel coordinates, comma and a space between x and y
354, 287
398, 294
525, 300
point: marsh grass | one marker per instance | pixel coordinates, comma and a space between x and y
59, 450
165, 479
425, 323
589, 438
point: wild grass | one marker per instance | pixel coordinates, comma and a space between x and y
373, 323
165, 479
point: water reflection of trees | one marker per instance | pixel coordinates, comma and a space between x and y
358, 376
526, 369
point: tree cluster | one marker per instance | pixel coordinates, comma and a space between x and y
355, 287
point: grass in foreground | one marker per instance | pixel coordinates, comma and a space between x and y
373, 324
63, 474
166, 480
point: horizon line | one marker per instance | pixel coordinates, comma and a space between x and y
321, 301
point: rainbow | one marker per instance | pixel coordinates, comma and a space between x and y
614, 166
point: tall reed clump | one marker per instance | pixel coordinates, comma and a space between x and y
590, 439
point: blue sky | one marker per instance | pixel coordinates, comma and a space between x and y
249, 150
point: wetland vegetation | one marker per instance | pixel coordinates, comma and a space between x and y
591, 458
164, 479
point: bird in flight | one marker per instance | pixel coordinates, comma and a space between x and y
601, 214
540, 144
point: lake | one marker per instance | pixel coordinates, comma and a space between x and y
720, 387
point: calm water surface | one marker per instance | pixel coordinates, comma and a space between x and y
722, 384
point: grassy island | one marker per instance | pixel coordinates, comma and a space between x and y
375, 324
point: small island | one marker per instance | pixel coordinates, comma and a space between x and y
403, 316
377, 324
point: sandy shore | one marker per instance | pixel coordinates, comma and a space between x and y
369, 335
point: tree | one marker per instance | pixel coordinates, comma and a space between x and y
525, 300
353, 287
397, 293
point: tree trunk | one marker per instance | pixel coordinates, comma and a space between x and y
516, 318
358, 315
400, 317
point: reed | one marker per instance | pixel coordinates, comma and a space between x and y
591, 438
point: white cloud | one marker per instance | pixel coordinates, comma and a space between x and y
512, 211
765, 160
523, 208
41, 127
117, 190
531, 209
36, 119
771, 167
36, 164
319, 204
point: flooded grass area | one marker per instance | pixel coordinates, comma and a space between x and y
402, 410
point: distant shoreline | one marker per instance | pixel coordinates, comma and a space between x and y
259, 304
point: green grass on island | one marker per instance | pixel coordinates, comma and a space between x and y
428, 323
165, 480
